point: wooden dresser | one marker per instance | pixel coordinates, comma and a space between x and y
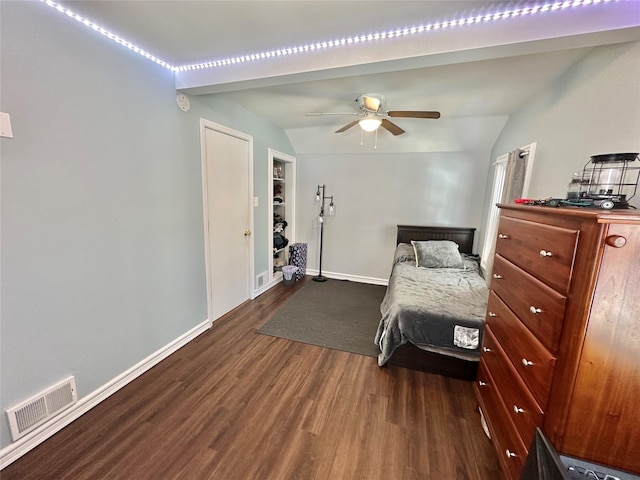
562, 345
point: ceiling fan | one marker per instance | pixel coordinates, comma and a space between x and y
373, 115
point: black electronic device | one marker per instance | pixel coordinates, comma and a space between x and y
544, 463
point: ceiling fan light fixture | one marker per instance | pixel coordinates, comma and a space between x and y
371, 103
370, 124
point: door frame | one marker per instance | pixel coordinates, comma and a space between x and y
491, 226
208, 124
290, 196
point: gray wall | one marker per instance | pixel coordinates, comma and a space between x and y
102, 241
375, 192
593, 108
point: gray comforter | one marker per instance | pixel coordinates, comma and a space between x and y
437, 309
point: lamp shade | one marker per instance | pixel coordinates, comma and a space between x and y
370, 124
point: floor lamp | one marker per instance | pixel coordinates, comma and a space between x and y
320, 197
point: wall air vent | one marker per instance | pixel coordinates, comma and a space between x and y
35, 411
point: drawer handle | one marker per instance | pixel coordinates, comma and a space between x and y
481, 383
510, 454
517, 409
485, 349
491, 314
545, 253
497, 276
502, 236
527, 363
534, 310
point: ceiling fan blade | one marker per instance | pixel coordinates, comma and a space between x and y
371, 103
413, 114
347, 126
392, 127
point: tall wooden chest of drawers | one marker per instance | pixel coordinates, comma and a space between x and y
561, 349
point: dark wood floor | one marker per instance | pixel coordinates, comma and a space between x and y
234, 404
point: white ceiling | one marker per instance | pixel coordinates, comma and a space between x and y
475, 76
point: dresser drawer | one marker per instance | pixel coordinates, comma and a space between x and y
521, 407
543, 250
530, 358
512, 453
539, 307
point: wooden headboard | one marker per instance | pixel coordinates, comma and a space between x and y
462, 236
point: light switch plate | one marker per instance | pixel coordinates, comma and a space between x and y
5, 125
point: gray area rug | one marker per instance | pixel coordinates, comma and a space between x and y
336, 314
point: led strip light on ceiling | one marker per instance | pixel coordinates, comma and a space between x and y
529, 10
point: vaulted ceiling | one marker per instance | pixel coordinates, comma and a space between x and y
475, 73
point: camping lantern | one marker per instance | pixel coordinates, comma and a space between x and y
609, 180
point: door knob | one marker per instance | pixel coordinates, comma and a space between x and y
247, 233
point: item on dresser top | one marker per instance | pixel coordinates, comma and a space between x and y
607, 181
438, 312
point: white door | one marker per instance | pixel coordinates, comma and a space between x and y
227, 166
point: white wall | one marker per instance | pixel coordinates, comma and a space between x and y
102, 258
375, 192
593, 108
102, 239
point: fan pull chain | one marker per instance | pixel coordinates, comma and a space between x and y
361, 137
375, 143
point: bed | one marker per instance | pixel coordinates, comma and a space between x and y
432, 318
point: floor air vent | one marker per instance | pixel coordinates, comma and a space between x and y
33, 412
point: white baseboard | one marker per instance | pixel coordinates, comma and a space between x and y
12, 452
351, 278
334, 275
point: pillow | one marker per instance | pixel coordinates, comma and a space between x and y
437, 254
404, 253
